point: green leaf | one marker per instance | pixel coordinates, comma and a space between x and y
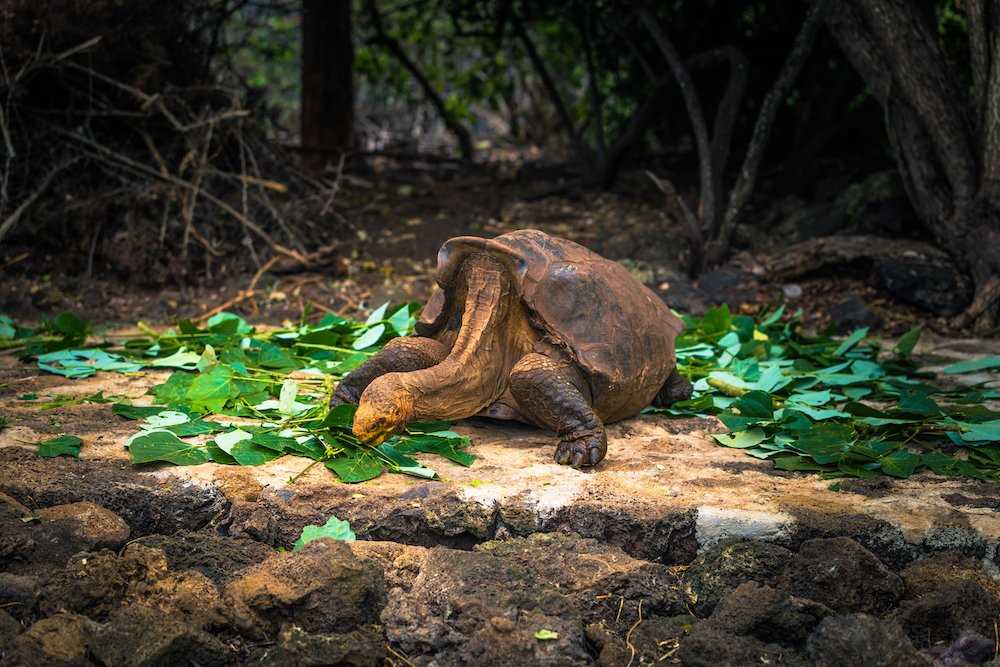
334, 529
173, 392
182, 359
544, 635
906, 343
354, 467
378, 314
973, 365
403, 463
228, 324
369, 337
248, 453
756, 404
856, 337
69, 325
900, 463
741, 439
341, 417
401, 321
449, 447
64, 445
157, 446
7, 330
164, 419
211, 390
84, 363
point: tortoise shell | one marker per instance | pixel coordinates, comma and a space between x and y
619, 333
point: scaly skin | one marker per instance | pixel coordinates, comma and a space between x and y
399, 355
553, 394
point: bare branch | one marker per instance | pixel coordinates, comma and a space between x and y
729, 105
14, 217
393, 46
547, 81
696, 236
697, 117
747, 178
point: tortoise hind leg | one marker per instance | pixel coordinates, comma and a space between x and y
400, 355
554, 395
676, 388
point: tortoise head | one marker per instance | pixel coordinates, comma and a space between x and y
386, 407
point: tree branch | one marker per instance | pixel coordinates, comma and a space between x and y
729, 105
747, 178
547, 81
393, 46
693, 104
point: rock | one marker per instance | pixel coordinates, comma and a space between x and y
860, 639
843, 575
189, 596
88, 523
480, 608
218, 558
944, 613
58, 641
323, 588
929, 283
147, 503
853, 313
969, 649
768, 614
364, 647
18, 594
141, 636
792, 291
17, 542
708, 645
11, 509
947, 594
725, 565
95, 583
654, 640
9, 629
801, 222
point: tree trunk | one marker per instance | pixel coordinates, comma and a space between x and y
946, 142
327, 121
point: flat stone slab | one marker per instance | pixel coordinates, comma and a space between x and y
665, 490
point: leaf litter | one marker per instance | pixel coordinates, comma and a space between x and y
839, 408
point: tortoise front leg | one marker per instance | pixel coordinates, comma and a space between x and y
554, 395
400, 355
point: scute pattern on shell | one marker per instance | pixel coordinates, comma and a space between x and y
618, 331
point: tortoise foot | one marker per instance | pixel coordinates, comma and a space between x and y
587, 449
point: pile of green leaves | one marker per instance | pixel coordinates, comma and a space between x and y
276, 386
836, 407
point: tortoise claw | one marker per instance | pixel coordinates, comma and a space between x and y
586, 450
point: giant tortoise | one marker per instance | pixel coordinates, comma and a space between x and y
530, 327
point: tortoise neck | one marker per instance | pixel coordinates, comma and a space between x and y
474, 374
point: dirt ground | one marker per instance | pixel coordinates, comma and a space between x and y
673, 551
